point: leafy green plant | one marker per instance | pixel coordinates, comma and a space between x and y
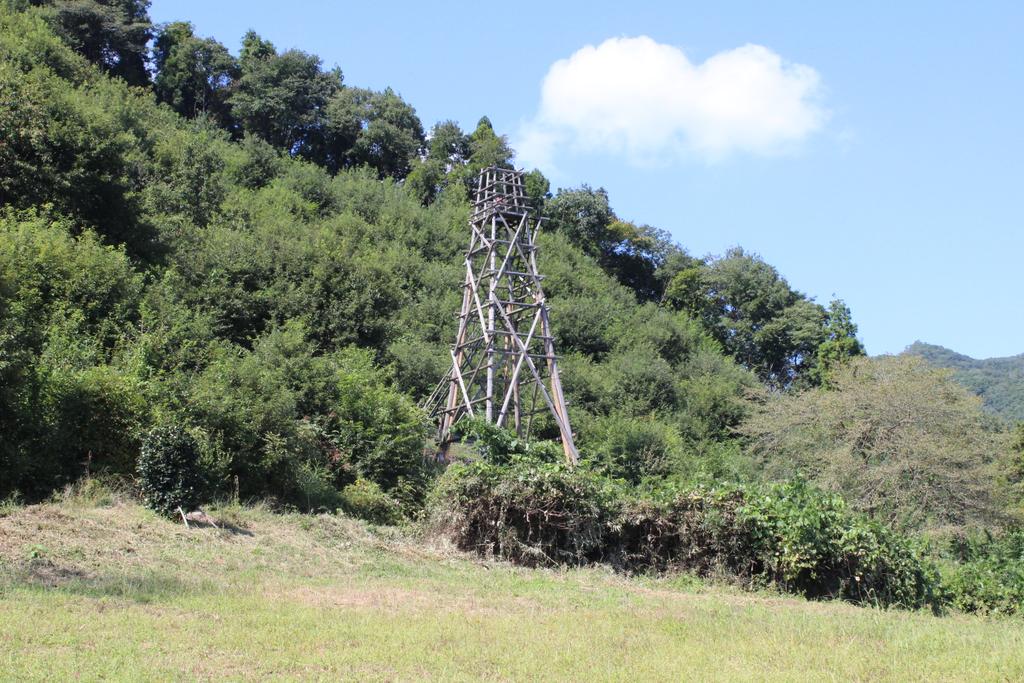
810, 542
501, 446
314, 488
168, 470
366, 500
987, 574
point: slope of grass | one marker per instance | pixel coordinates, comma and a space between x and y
110, 591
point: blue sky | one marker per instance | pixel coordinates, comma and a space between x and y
882, 163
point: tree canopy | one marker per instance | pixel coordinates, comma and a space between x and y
758, 318
281, 97
193, 75
110, 33
377, 129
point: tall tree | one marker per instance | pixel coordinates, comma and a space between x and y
454, 158
281, 97
631, 253
448, 144
110, 33
378, 129
840, 346
193, 75
487, 148
899, 439
447, 150
584, 216
538, 189
752, 311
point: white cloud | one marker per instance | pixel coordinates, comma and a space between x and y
647, 101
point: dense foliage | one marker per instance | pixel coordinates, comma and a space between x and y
169, 256
987, 573
788, 535
168, 470
761, 321
110, 33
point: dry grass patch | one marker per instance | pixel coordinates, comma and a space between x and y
114, 592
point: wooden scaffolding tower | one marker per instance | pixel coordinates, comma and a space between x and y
504, 368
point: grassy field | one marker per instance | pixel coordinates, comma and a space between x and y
101, 589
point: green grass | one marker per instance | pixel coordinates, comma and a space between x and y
114, 592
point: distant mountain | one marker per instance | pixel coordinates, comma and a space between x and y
999, 381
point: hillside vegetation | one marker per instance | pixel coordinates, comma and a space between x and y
254, 251
999, 381
297, 596
232, 278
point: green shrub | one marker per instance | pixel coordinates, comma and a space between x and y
790, 536
94, 419
65, 306
529, 512
314, 489
810, 542
168, 470
366, 500
283, 412
988, 574
633, 448
500, 446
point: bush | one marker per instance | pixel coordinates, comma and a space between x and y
809, 542
313, 489
94, 417
988, 576
636, 448
366, 500
789, 536
66, 408
168, 470
500, 446
292, 420
531, 514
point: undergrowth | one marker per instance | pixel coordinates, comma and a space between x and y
790, 536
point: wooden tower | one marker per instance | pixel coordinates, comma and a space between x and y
504, 367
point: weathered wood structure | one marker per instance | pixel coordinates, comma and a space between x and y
504, 368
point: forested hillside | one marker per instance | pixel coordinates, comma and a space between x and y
256, 250
999, 381
234, 277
